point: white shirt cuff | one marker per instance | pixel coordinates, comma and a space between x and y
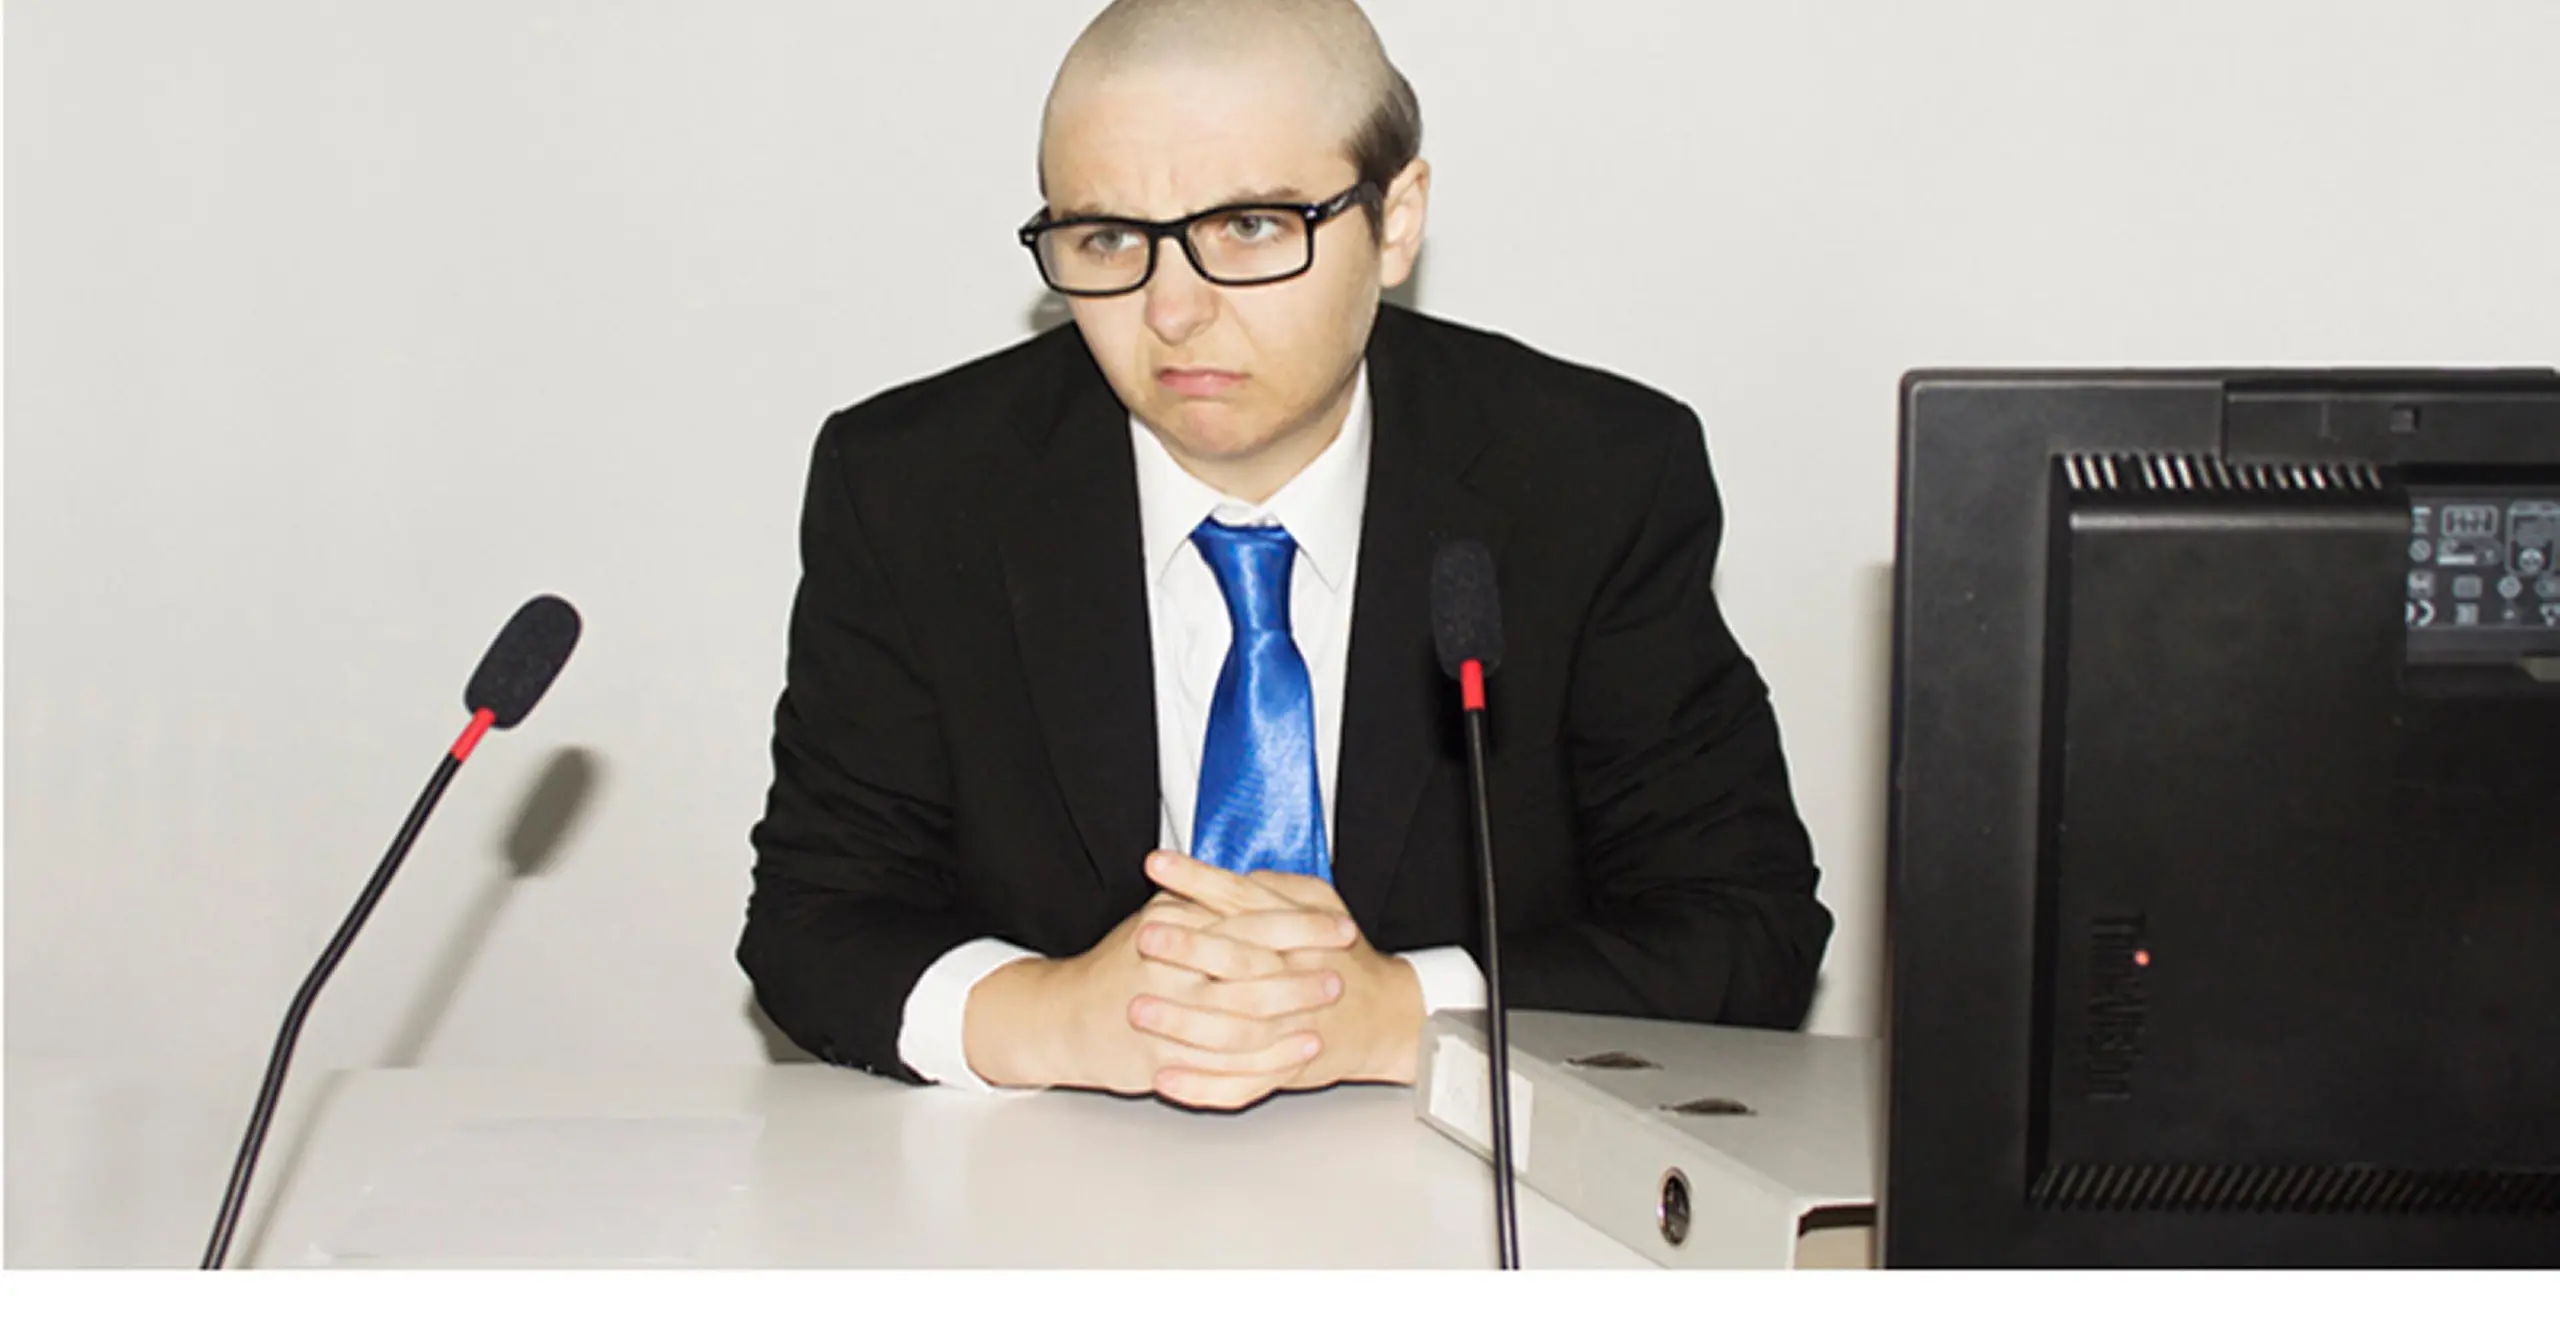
1449, 977
930, 1036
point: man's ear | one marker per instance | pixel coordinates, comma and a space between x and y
1407, 207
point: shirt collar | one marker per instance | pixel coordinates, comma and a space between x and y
1321, 506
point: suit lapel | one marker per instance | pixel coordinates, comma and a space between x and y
1074, 574
1075, 578
1398, 710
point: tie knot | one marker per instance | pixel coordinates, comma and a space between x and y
1252, 565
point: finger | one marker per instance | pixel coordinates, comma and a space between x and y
1290, 994
1167, 907
1210, 886
1213, 955
1217, 1091
1204, 1028
1288, 931
1279, 1000
1281, 1059
1298, 889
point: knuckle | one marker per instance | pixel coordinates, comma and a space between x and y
1281, 933
1209, 1031
1260, 931
1224, 1033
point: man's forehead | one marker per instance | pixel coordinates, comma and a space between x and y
1258, 125
1131, 146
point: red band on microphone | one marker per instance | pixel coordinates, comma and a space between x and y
1471, 685
471, 734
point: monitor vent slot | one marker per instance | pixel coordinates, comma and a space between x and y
2200, 474
2334, 1188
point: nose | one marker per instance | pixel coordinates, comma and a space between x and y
1180, 302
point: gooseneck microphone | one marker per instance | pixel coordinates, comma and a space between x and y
1466, 631
518, 667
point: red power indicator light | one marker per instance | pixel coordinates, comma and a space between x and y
2142, 957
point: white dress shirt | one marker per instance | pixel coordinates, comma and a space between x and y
1187, 615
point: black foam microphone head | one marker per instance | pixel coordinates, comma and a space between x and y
527, 656
1466, 607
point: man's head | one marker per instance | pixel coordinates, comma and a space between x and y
1164, 108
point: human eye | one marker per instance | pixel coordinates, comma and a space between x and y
1257, 228
1106, 241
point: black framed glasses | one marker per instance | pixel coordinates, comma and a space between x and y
1234, 245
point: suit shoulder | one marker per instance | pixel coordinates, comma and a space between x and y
1554, 414
1515, 377
957, 416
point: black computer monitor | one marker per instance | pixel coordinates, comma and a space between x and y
2223, 878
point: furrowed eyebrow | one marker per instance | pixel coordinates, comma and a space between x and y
1239, 199
1087, 215
1272, 196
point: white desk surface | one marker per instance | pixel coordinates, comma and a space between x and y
118, 1166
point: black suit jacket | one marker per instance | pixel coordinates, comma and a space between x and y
965, 744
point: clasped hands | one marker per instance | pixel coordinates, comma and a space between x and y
1221, 990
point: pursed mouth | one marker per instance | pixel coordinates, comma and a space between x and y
1199, 381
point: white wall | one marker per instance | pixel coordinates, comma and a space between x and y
333, 331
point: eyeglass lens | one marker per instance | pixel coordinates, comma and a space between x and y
1234, 245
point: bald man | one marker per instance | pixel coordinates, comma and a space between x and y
1113, 751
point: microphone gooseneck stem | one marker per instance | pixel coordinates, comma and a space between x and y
219, 1245
1497, 1032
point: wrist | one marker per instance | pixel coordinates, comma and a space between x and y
1393, 1049
1000, 1029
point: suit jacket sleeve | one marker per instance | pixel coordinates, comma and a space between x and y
854, 877
1698, 874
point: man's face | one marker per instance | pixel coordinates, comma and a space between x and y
1229, 377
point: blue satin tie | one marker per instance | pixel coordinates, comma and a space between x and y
1259, 807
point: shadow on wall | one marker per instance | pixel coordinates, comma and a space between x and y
1872, 797
1409, 296
1047, 310
1862, 953
560, 796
